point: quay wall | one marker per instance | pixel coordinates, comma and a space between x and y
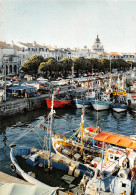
22, 105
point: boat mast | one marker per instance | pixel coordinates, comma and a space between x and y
72, 74
50, 139
82, 128
101, 166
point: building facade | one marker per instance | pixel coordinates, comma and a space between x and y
9, 60
97, 46
13, 55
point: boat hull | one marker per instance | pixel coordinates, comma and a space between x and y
100, 105
80, 103
57, 162
58, 103
119, 108
18, 169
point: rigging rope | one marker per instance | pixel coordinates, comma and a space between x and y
25, 133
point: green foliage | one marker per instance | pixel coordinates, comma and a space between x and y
66, 65
31, 66
79, 64
43, 67
115, 64
104, 64
51, 65
27, 67
92, 64
36, 59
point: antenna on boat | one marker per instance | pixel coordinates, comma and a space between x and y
50, 140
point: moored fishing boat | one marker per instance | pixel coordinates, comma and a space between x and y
114, 169
103, 103
59, 102
90, 95
80, 149
100, 105
34, 165
119, 103
119, 106
117, 167
81, 101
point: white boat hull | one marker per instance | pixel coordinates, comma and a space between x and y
100, 105
22, 173
119, 109
81, 106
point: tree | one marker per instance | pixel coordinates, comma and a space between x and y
52, 65
130, 64
115, 64
44, 67
122, 64
36, 60
92, 64
27, 67
104, 64
66, 65
79, 64
31, 66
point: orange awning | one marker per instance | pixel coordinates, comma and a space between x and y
116, 139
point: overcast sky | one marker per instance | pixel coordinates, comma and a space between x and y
70, 23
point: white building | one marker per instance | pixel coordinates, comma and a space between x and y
13, 55
9, 60
97, 46
29, 49
129, 57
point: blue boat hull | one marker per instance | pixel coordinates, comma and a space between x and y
119, 107
79, 103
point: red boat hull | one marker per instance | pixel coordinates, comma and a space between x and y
58, 103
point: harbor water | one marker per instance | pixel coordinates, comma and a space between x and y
24, 129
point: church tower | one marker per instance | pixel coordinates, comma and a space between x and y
97, 47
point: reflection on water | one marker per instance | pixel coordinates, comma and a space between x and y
65, 121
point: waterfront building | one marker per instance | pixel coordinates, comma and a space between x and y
97, 46
9, 59
13, 55
115, 56
29, 49
129, 57
80, 53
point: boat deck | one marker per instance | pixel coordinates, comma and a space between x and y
52, 177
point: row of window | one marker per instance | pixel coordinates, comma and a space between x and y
37, 49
